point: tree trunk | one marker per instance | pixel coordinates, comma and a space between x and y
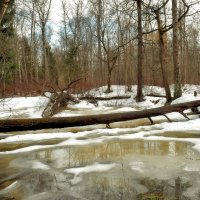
177, 77
163, 58
44, 53
9, 125
108, 90
99, 18
5, 4
139, 96
163, 62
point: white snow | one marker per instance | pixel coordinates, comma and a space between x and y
18, 107
192, 169
188, 126
143, 165
96, 167
31, 164
36, 137
186, 98
10, 188
137, 166
33, 106
104, 135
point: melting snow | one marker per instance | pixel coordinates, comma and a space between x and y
79, 171
33, 106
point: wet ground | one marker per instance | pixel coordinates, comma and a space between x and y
112, 169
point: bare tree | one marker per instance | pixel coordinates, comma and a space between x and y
43, 10
98, 11
162, 29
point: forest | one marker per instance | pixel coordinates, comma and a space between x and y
99, 42
99, 99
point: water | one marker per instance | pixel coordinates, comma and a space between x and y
110, 170
105, 168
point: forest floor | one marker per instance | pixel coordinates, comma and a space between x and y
75, 152
32, 107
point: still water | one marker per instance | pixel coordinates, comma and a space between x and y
113, 169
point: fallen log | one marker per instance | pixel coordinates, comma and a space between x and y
155, 95
59, 100
193, 113
104, 98
61, 122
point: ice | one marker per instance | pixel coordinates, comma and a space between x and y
79, 171
137, 166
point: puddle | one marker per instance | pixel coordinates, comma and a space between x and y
194, 134
123, 169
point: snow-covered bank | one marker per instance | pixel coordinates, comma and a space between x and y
99, 136
32, 107
22, 107
94, 157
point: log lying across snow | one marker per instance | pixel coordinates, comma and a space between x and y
104, 98
9, 125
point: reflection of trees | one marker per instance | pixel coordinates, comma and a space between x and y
115, 150
37, 182
77, 156
162, 189
104, 188
111, 151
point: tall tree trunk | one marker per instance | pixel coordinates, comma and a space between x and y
177, 77
108, 90
139, 96
99, 18
34, 63
43, 10
3, 9
163, 58
44, 53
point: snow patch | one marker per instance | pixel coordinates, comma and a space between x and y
10, 188
79, 171
137, 166
36, 137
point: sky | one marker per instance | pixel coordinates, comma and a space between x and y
56, 16
55, 19
56, 11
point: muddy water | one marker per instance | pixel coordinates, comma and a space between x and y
113, 169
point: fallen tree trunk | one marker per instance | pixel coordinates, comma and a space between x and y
104, 98
61, 122
155, 95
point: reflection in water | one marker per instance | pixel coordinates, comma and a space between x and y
112, 151
143, 170
9, 147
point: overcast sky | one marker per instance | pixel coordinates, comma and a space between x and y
55, 19
56, 15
